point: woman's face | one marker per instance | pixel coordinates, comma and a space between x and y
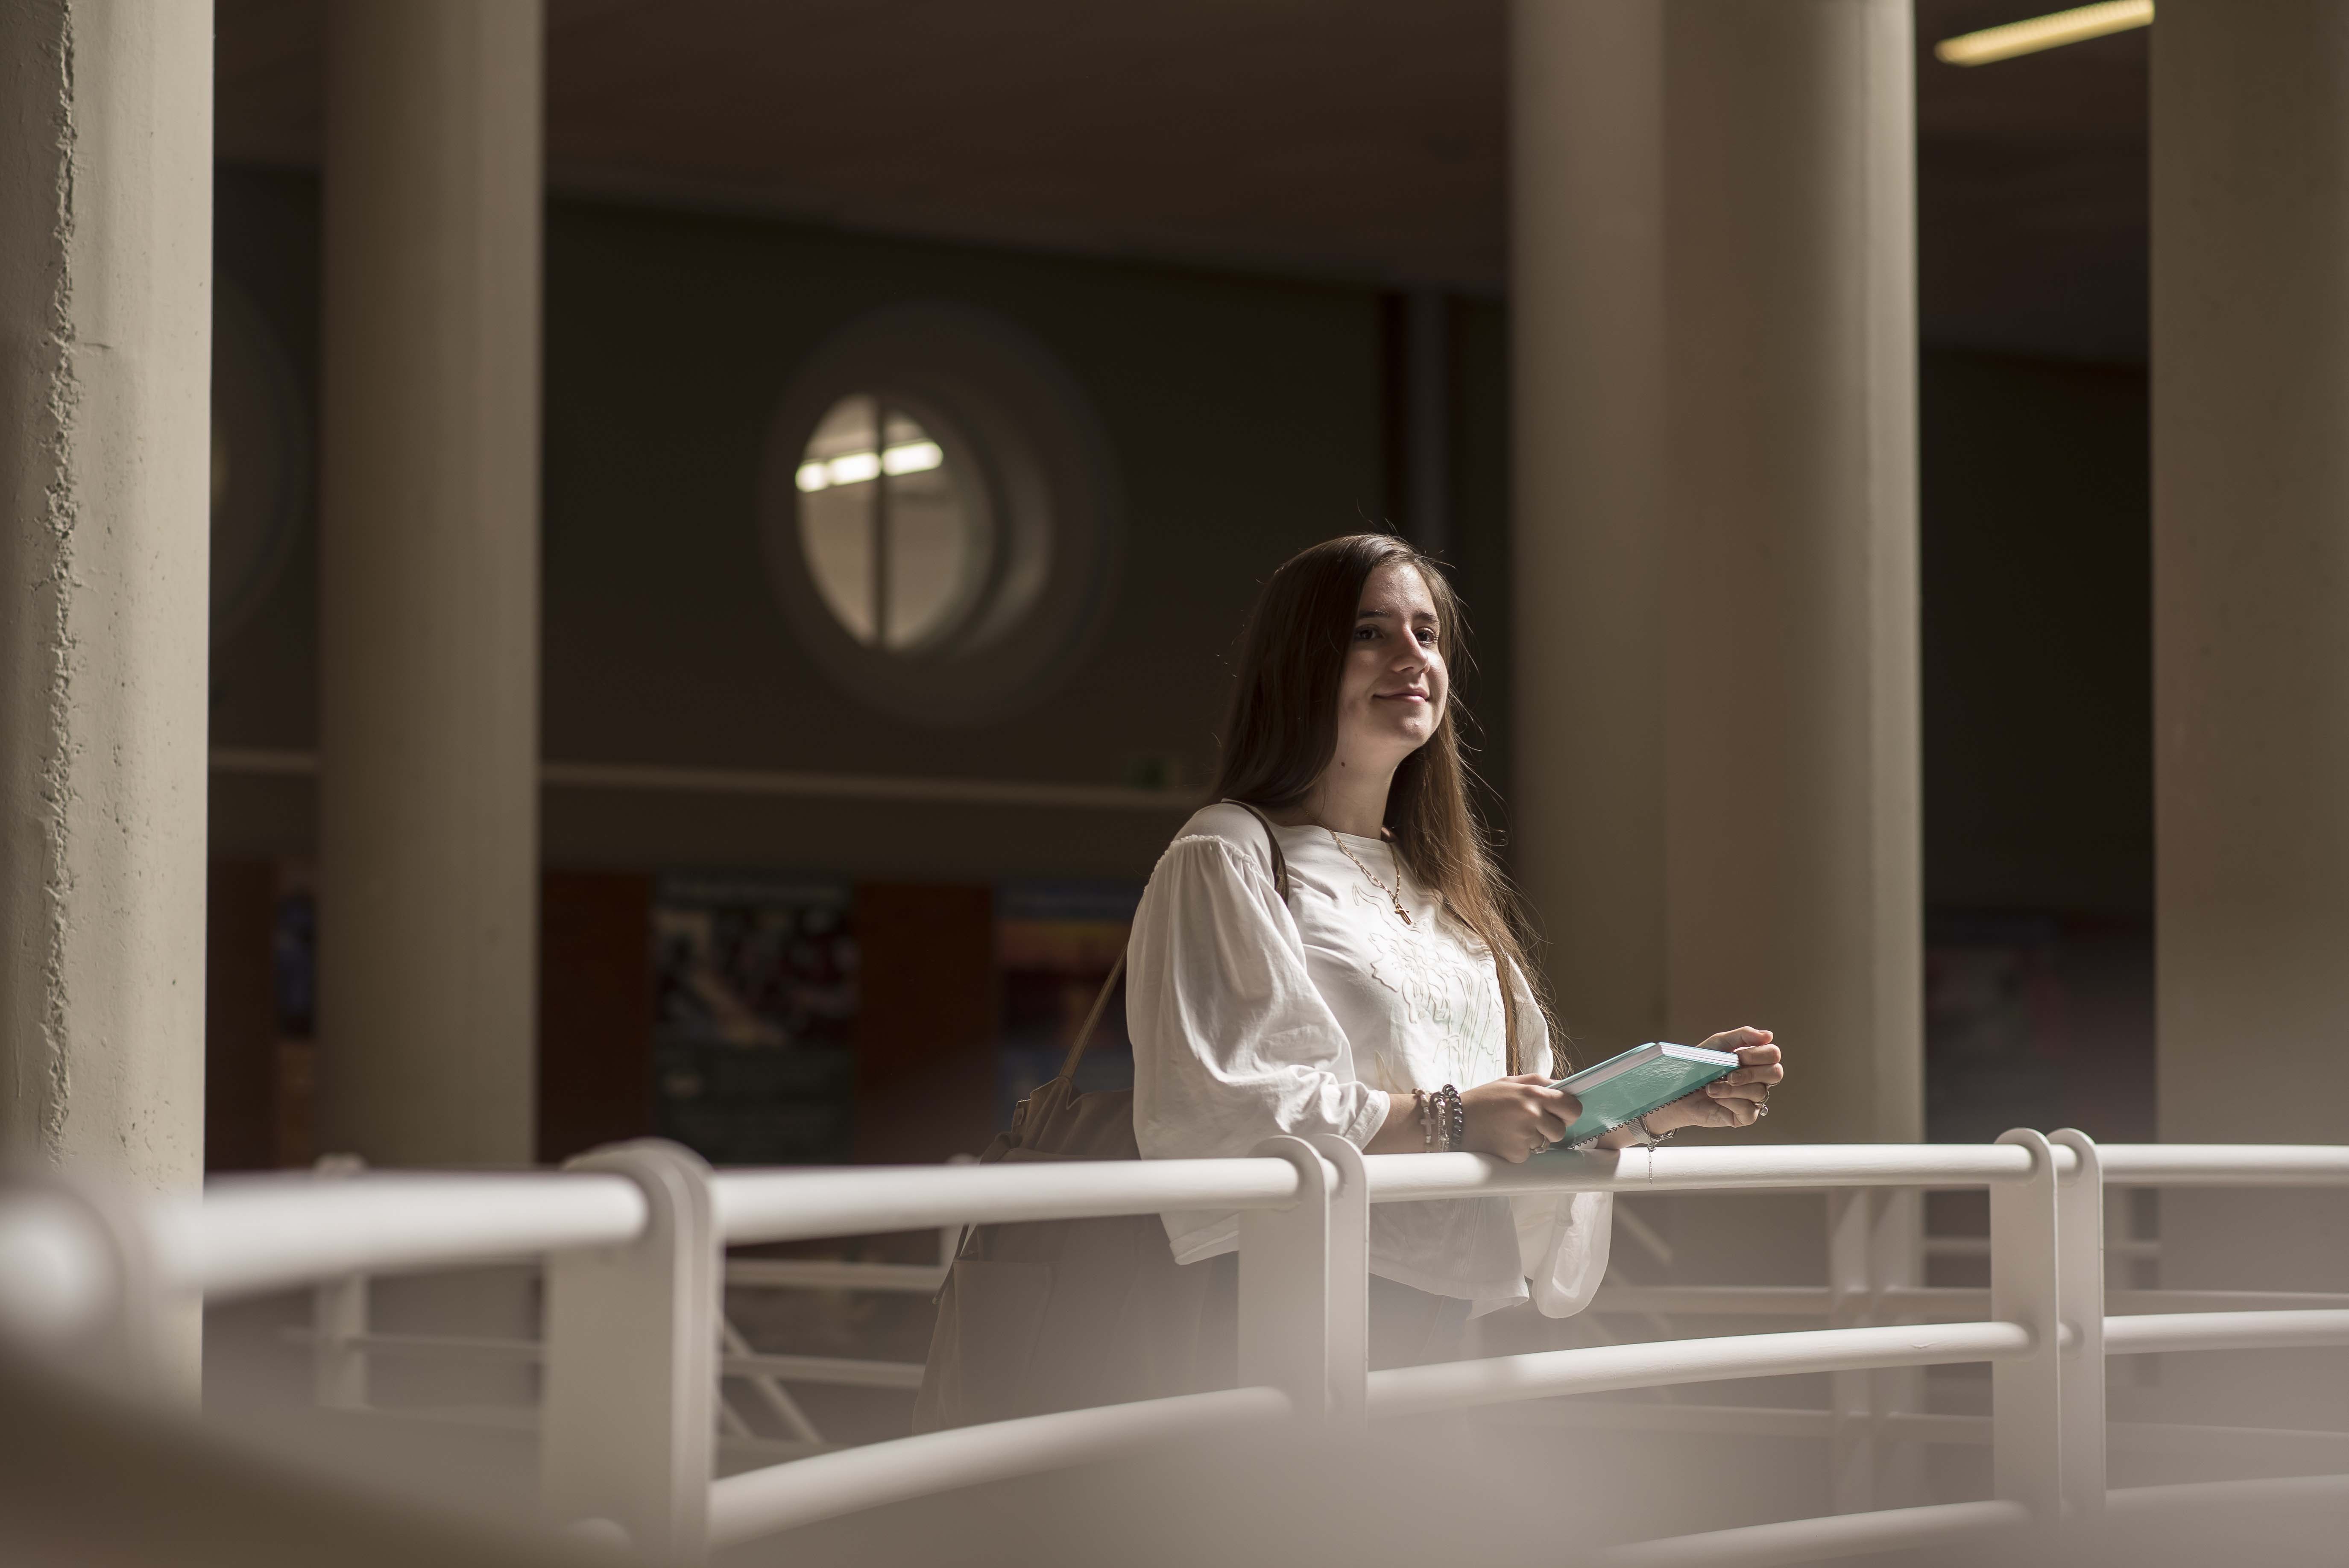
1392, 695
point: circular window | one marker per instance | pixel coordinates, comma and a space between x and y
938, 515
894, 530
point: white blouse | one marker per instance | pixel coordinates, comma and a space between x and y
1252, 1018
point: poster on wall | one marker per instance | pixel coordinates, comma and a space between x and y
1055, 943
755, 982
294, 985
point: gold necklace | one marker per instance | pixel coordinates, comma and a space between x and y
1393, 897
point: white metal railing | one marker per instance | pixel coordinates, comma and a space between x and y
341, 1340
633, 1239
342, 1343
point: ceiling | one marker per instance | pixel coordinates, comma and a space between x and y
1355, 139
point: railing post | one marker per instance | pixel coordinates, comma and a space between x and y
1285, 1269
1872, 1246
2080, 1291
338, 1320
2025, 1279
631, 1364
1851, 1303
1899, 1260
1349, 1281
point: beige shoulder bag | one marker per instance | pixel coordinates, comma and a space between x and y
1056, 1314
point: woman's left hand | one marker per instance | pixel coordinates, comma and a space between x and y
1738, 1099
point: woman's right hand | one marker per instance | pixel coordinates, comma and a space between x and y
1516, 1118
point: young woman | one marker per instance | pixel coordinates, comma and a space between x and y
1362, 1002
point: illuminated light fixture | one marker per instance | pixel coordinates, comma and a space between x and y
2077, 26
856, 467
913, 458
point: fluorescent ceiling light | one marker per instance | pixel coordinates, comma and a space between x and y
856, 467
913, 458
2074, 26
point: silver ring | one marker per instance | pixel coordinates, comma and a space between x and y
1761, 1109
1542, 1146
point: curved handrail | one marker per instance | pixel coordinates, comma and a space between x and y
825, 1486
2259, 1491
2150, 1333
1654, 1364
2224, 1164
248, 1235
251, 1234
1414, 1178
1946, 1523
1826, 1536
791, 1205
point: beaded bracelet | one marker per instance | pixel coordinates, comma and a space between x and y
1452, 1117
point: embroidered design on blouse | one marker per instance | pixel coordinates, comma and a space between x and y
1442, 986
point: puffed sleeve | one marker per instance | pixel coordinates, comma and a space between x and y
1562, 1237
1232, 1043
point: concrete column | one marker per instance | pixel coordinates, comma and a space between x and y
2251, 565
1714, 293
105, 453
106, 207
429, 580
1587, 398
2251, 581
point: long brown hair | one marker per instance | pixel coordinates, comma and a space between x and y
1282, 731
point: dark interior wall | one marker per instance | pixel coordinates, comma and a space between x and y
2037, 601
1480, 530
265, 686
1247, 419
595, 1010
2037, 747
240, 1067
926, 1022
1244, 419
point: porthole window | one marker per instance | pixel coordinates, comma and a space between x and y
938, 513
894, 531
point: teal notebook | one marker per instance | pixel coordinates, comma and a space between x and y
1622, 1089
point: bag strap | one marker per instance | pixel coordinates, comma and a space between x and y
1117, 970
1272, 842
1101, 1003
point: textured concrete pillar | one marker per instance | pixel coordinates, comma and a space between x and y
1713, 301
429, 580
105, 452
106, 197
2251, 579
